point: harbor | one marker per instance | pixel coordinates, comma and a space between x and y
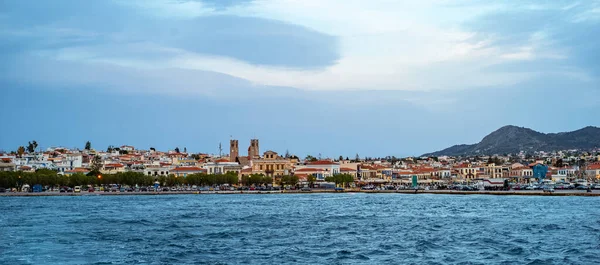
593, 193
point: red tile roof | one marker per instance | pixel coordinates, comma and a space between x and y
78, 170
347, 169
181, 169
322, 162
593, 167
222, 160
302, 177
309, 169
462, 165
113, 165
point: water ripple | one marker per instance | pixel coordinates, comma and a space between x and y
299, 229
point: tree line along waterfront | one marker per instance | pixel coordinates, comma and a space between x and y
50, 178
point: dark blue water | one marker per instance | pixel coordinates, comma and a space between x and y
300, 229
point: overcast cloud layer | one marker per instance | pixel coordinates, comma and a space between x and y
423, 74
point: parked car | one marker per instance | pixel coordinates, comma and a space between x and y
91, 189
582, 187
165, 189
69, 189
2, 190
548, 189
305, 189
77, 189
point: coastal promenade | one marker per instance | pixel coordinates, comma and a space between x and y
451, 192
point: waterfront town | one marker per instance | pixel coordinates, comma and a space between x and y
177, 169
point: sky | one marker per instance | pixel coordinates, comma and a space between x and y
317, 77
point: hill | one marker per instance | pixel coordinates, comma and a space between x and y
513, 139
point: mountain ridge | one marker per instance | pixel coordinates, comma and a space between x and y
514, 139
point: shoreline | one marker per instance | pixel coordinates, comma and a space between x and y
444, 192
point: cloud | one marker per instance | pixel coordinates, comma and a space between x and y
314, 45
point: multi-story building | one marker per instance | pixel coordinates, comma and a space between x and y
112, 168
185, 171
222, 166
271, 164
466, 171
495, 171
6, 164
593, 172
332, 168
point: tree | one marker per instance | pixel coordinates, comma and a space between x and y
162, 180
176, 149
184, 150
21, 151
311, 179
340, 158
88, 145
310, 158
498, 161
340, 179
110, 149
357, 158
559, 163
231, 178
31, 146
96, 163
289, 180
152, 149
173, 180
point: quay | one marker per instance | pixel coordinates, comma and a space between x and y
446, 192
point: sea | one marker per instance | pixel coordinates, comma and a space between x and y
348, 228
